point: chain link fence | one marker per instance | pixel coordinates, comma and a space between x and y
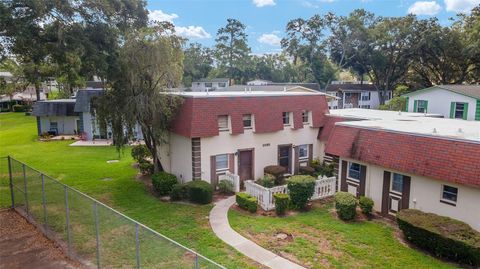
88, 230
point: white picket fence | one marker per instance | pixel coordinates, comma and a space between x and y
235, 179
324, 187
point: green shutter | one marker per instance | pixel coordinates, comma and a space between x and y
477, 112
452, 110
415, 106
406, 105
465, 111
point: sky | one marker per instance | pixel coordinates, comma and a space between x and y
265, 20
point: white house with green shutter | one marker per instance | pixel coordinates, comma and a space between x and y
451, 101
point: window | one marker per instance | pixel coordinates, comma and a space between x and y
208, 84
397, 183
303, 151
53, 125
221, 162
286, 118
223, 123
305, 119
366, 96
449, 194
459, 110
353, 171
422, 106
222, 84
247, 121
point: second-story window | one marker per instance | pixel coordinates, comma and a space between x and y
247, 121
305, 117
286, 118
223, 123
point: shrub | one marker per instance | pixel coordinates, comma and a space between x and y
247, 202
366, 204
19, 108
163, 182
277, 171
146, 167
225, 186
346, 205
443, 236
301, 188
200, 192
306, 170
267, 181
179, 192
140, 152
281, 203
324, 169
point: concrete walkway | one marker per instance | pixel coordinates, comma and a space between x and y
221, 227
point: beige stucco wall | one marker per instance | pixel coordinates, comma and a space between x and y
265, 145
425, 195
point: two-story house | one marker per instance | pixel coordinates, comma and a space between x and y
355, 95
214, 84
451, 101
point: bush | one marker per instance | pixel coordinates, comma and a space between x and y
246, 202
277, 171
346, 205
140, 152
146, 167
179, 192
19, 108
225, 186
306, 170
267, 181
200, 192
281, 203
324, 169
366, 204
163, 182
443, 236
300, 188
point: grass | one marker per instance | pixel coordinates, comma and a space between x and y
320, 240
85, 169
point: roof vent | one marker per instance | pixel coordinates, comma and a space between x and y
245, 89
284, 89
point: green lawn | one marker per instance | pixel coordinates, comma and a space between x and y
320, 240
84, 168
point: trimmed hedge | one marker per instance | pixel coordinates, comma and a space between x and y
277, 171
282, 200
366, 204
225, 186
19, 108
200, 192
346, 205
179, 192
443, 236
247, 202
300, 188
266, 181
163, 182
306, 170
146, 167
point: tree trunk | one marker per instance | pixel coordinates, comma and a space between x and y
37, 90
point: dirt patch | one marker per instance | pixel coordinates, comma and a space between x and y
23, 246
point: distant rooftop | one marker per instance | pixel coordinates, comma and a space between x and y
211, 80
348, 87
373, 114
242, 93
468, 90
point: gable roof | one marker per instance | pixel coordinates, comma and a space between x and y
467, 90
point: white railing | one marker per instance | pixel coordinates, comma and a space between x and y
324, 187
235, 179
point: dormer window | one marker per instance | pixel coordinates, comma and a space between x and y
305, 117
286, 118
223, 123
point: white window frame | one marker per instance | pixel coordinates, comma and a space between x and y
223, 168
391, 183
288, 117
359, 171
222, 84
423, 102
223, 129
448, 201
306, 147
251, 121
463, 110
307, 113
208, 83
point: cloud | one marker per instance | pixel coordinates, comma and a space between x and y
270, 39
464, 6
425, 8
158, 15
262, 3
192, 32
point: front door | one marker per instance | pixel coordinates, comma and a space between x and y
245, 165
396, 193
284, 156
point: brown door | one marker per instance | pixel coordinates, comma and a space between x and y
284, 156
396, 193
245, 165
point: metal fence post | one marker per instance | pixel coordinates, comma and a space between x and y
97, 234
67, 220
44, 203
137, 245
10, 176
196, 261
25, 188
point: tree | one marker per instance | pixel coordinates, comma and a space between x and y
232, 50
16, 83
470, 26
151, 62
197, 63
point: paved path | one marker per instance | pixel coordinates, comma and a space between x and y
221, 227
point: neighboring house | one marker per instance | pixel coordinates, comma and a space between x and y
268, 88
214, 84
258, 82
355, 95
407, 161
451, 101
56, 117
88, 125
242, 132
